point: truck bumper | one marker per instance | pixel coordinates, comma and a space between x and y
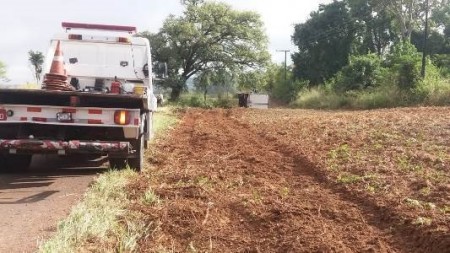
28, 146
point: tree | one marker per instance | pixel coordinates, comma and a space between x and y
3, 71
324, 43
374, 31
209, 36
364, 71
253, 80
203, 82
409, 14
281, 88
36, 60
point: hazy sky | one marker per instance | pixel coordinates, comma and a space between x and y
29, 25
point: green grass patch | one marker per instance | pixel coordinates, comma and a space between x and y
163, 120
430, 92
197, 100
102, 222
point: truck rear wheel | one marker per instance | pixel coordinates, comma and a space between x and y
117, 163
2, 163
15, 163
137, 163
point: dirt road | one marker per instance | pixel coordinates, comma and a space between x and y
31, 204
227, 186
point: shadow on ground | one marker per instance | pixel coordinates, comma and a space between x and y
43, 173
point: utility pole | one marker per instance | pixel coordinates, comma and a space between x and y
425, 39
285, 62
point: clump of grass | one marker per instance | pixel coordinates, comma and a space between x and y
150, 198
320, 98
284, 192
101, 216
423, 221
163, 120
349, 178
433, 90
198, 100
406, 165
413, 202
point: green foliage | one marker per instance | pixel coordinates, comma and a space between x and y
253, 81
282, 87
372, 80
197, 100
324, 43
405, 63
163, 120
363, 72
102, 216
374, 29
442, 61
320, 98
36, 60
433, 90
225, 103
194, 100
209, 36
287, 90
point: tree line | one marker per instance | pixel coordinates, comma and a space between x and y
346, 49
354, 48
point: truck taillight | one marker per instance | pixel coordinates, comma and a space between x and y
122, 117
75, 37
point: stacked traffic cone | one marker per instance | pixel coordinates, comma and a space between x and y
57, 78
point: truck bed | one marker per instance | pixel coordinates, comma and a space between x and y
63, 98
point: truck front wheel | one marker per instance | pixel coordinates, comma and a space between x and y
137, 163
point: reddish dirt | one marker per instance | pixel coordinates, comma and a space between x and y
288, 181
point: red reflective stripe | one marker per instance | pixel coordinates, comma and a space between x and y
39, 119
94, 121
34, 109
136, 122
99, 27
71, 110
95, 111
23, 119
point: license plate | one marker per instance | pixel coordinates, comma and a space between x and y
3, 115
64, 116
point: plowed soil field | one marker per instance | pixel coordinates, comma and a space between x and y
299, 181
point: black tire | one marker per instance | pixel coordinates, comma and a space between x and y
2, 163
16, 163
137, 163
117, 163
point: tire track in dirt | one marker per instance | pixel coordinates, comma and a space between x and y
226, 188
383, 214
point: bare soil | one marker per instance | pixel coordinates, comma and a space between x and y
300, 181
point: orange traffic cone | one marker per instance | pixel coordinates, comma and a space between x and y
57, 67
56, 79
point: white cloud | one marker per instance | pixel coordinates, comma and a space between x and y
30, 24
